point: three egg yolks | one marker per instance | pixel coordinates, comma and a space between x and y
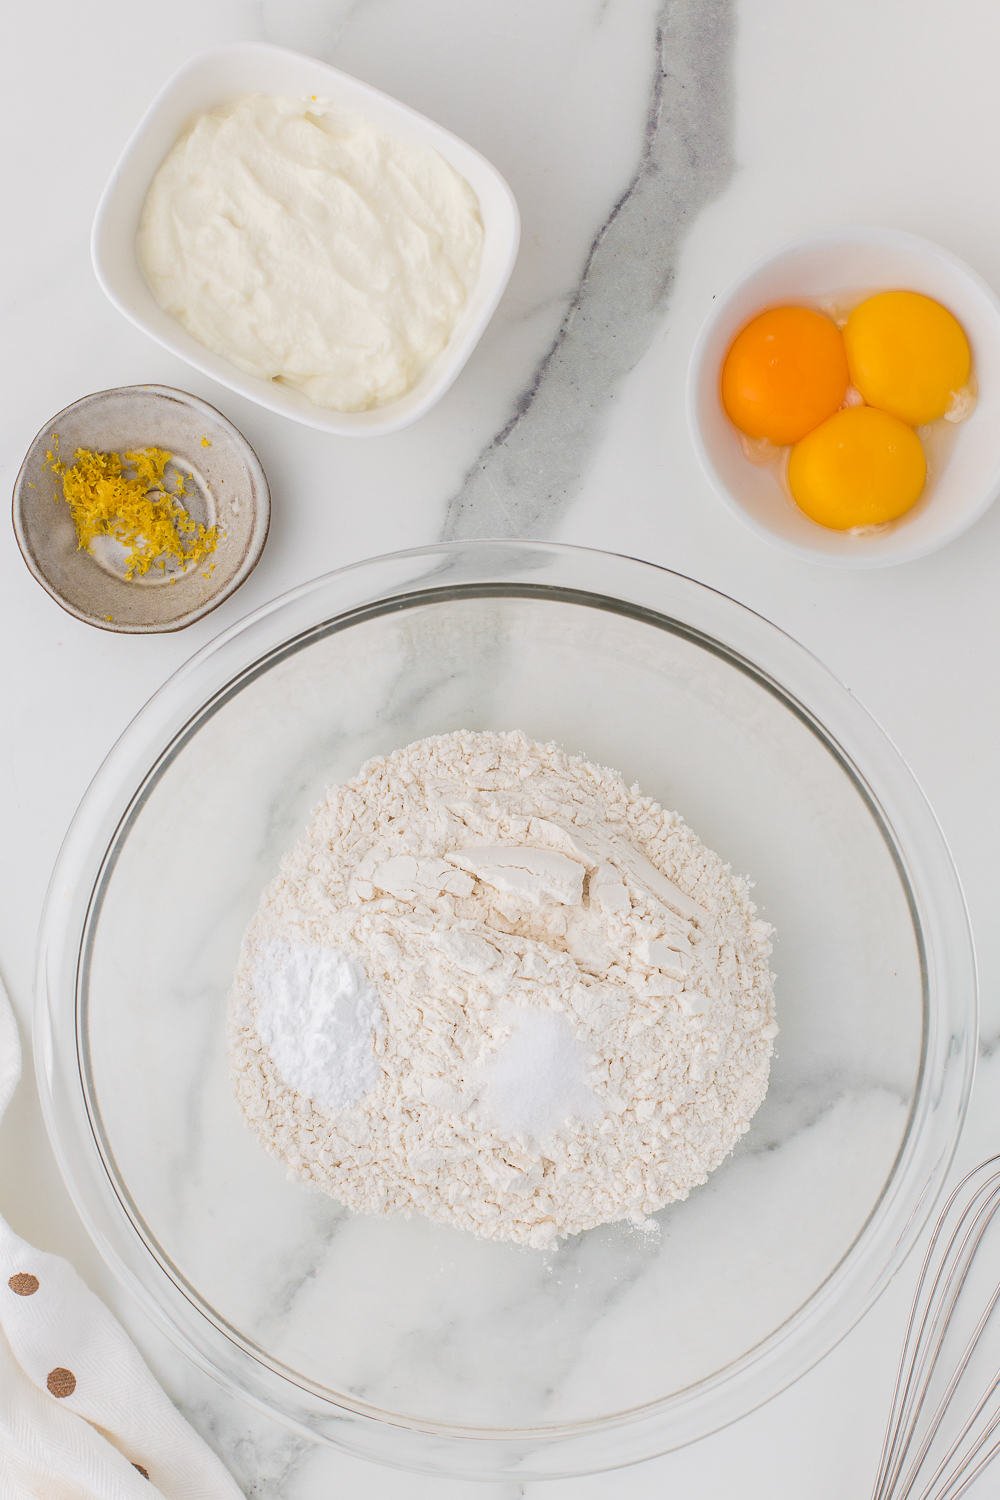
786, 377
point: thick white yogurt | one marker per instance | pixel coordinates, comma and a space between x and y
309, 248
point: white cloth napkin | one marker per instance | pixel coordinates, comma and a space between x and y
81, 1417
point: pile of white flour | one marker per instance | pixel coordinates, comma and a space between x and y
493, 985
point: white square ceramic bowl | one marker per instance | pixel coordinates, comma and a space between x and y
846, 265
228, 73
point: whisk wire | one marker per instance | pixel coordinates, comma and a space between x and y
963, 1458
981, 1406
934, 1425
955, 1242
921, 1347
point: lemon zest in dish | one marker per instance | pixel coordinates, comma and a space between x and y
127, 496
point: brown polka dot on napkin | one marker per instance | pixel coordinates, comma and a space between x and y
61, 1382
24, 1284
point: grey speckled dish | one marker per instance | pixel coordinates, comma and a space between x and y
227, 487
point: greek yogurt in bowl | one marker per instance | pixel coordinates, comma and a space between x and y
216, 82
310, 248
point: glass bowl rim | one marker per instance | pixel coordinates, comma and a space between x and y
402, 579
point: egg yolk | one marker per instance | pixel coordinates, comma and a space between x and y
785, 372
907, 354
862, 467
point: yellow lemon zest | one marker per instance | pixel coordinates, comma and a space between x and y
125, 496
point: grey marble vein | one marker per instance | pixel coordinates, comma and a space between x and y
525, 477
264, 1459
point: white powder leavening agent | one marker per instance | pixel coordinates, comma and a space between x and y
317, 1017
494, 985
537, 1079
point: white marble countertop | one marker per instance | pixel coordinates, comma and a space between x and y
654, 151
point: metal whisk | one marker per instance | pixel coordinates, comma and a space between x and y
953, 1304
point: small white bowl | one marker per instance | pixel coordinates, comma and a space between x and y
215, 77
842, 268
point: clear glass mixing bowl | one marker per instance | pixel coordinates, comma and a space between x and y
413, 1343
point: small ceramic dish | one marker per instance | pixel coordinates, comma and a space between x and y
252, 68
225, 486
839, 269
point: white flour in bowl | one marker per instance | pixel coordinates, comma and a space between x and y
494, 985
